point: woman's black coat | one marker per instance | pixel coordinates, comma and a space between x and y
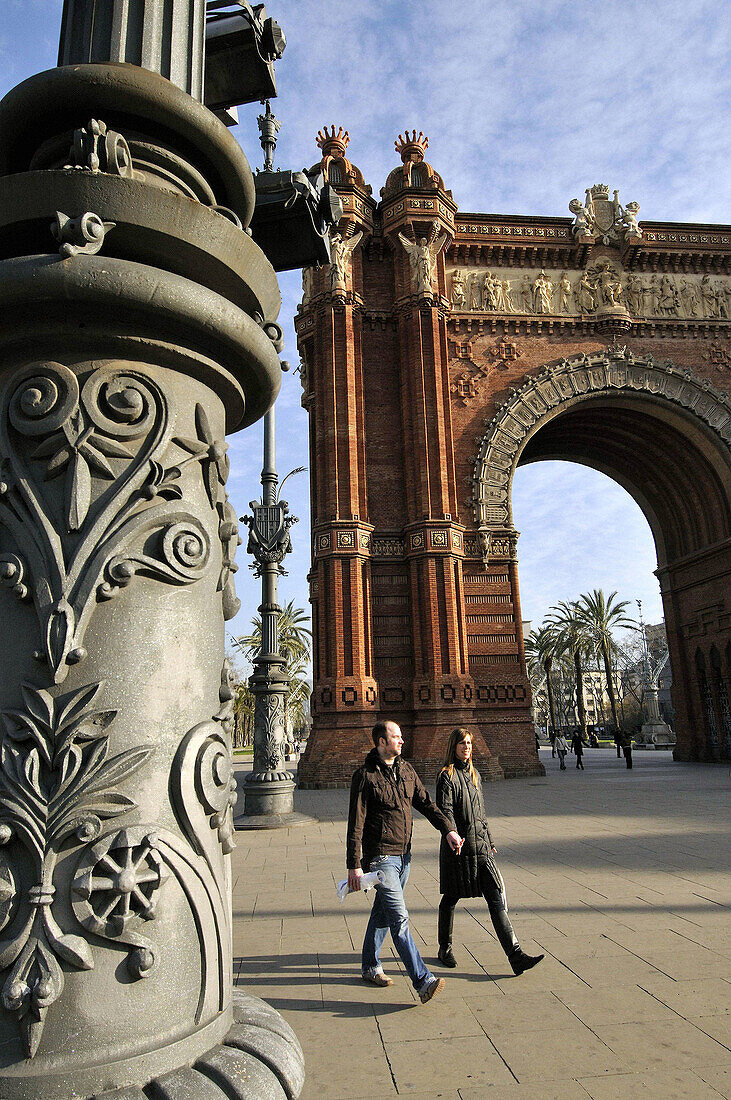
461, 802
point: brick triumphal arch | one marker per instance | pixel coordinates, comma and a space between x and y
440, 351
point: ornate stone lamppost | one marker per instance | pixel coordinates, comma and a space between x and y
269, 788
141, 332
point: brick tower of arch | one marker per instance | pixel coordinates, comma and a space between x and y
439, 351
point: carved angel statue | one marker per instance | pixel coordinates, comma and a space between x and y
342, 245
582, 224
629, 220
422, 258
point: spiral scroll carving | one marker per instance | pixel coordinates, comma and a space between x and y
83, 483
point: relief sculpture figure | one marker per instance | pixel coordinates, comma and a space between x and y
708, 297
667, 303
564, 290
585, 295
458, 292
508, 303
499, 295
634, 295
610, 286
542, 291
526, 295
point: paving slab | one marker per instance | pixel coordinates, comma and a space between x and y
622, 879
676, 1085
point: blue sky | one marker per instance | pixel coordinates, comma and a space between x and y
525, 105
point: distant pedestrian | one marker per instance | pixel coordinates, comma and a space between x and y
561, 748
618, 743
627, 749
472, 871
578, 746
552, 739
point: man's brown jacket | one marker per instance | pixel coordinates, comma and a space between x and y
380, 820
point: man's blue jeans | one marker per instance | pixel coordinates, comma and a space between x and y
389, 912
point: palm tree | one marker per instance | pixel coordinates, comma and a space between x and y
601, 616
540, 650
573, 638
295, 646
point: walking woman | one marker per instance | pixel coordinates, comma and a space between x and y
473, 871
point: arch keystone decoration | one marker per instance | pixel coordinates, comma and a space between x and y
558, 387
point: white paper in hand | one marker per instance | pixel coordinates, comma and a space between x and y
366, 882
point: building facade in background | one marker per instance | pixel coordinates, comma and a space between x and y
439, 351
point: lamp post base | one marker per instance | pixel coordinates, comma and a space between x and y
260, 1059
269, 803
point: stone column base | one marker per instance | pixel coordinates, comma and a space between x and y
260, 1059
268, 803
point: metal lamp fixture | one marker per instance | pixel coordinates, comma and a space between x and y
242, 44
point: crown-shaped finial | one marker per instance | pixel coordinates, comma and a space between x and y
333, 144
411, 146
600, 191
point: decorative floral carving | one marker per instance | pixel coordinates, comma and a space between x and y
104, 439
115, 889
268, 753
211, 454
228, 532
55, 781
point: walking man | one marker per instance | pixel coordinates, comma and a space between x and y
382, 793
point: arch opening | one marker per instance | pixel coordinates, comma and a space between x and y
664, 437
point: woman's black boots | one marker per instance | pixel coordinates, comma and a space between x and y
446, 923
519, 961
517, 958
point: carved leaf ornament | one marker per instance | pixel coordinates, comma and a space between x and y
104, 439
89, 500
56, 783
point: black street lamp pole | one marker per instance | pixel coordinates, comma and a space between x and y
269, 789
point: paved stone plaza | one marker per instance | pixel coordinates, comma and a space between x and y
621, 878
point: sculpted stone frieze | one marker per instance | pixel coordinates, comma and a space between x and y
602, 287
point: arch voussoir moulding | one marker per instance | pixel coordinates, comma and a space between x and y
558, 387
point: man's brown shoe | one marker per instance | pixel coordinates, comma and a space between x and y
431, 990
380, 979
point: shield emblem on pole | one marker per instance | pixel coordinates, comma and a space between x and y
269, 523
